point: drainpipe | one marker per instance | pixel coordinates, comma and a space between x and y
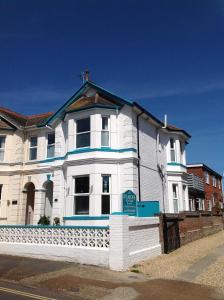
139, 157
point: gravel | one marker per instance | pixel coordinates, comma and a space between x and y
169, 266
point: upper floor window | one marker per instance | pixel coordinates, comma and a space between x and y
105, 132
172, 150
2, 147
105, 198
219, 181
214, 181
33, 148
83, 133
50, 144
206, 177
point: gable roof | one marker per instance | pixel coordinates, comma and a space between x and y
204, 167
78, 101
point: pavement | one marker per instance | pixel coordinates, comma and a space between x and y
189, 273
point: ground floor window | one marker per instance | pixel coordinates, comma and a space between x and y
81, 196
175, 198
105, 197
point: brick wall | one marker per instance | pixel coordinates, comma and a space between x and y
189, 226
193, 226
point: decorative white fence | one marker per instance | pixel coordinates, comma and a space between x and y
96, 237
126, 241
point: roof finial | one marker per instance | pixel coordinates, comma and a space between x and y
85, 75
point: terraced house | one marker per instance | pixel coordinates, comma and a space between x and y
76, 163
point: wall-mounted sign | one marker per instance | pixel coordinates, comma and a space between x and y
129, 203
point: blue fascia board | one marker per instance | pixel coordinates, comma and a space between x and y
106, 217
55, 227
85, 150
176, 164
119, 213
114, 107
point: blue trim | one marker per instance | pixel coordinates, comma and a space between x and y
56, 227
76, 97
87, 218
119, 213
94, 106
176, 164
84, 150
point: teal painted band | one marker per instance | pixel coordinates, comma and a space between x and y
119, 213
94, 106
86, 218
84, 150
55, 227
176, 164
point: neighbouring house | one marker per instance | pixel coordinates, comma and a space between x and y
76, 163
205, 188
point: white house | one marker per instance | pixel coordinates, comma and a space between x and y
76, 163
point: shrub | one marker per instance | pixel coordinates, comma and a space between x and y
44, 220
56, 221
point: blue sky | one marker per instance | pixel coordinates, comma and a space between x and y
168, 55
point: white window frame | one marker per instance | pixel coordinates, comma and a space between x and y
80, 133
209, 205
1, 190
106, 193
32, 147
184, 196
174, 150
80, 194
175, 199
214, 182
105, 130
3, 149
50, 144
207, 177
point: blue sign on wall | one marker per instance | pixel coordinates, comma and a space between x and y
129, 203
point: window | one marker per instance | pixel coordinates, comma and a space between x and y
184, 197
1, 192
182, 151
50, 144
105, 132
172, 150
175, 198
83, 133
81, 198
219, 181
105, 198
214, 181
213, 200
2, 147
209, 205
206, 177
33, 148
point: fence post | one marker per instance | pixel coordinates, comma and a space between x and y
119, 242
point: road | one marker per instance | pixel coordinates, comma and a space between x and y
9, 291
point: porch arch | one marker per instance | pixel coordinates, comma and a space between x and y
29, 190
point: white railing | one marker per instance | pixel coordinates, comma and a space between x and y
82, 236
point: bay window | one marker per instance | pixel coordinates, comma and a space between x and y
105, 197
83, 133
81, 197
2, 148
50, 144
33, 148
105, 132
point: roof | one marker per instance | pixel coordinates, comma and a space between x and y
21, 120
205, 167
78, 101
